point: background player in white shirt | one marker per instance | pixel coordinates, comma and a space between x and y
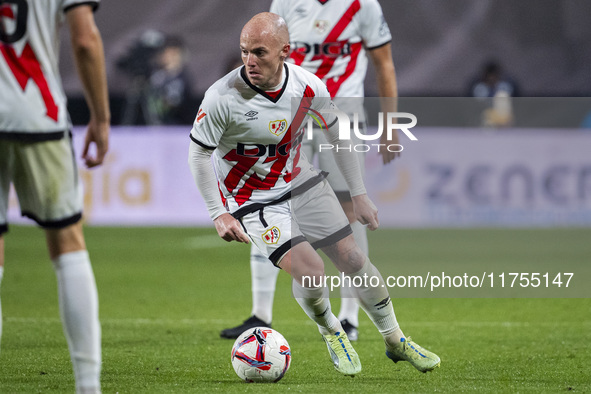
287, 209
332, 39
36, 153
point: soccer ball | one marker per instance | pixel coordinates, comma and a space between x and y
261, 354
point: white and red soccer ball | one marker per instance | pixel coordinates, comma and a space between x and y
261, 354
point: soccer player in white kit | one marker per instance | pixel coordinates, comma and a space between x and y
273, 197
332, 39
36, 153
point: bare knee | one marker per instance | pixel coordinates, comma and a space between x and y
346, 255
65, 240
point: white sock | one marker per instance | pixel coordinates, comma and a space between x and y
264, 277
349, 305
314, 301
376, 302
78, 302
1, 275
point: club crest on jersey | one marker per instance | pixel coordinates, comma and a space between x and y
321, 26
271, 236
277, 127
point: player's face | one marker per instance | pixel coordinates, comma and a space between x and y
263, 57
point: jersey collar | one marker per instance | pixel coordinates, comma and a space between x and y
262, 92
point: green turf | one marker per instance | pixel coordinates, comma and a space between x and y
165, 294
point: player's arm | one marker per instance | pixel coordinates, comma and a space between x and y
227, 227
87, 47
365, 211
381, 58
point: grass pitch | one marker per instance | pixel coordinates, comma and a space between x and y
165, 293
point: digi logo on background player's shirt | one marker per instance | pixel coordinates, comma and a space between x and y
330, 39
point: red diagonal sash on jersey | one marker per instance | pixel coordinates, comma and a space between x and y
298, 57
244, 164
25, 67
332, 84
334, 34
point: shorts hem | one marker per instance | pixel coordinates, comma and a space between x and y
333, 238
54, 224
276, 256
342, 195
21, 136
3, 228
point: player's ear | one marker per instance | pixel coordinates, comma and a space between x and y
285, 51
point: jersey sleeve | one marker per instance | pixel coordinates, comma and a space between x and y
210, 122
323, 101
374, 28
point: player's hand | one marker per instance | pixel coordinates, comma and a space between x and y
365, 211
97, 134
230, 229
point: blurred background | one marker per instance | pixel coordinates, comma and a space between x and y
501, 90
499, 182
439, 47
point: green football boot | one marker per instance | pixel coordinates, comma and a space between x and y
344, 357
417, 356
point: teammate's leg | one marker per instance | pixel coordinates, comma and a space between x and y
47, 184
349, 311
5, 180
78, 300
264, 277
1, 275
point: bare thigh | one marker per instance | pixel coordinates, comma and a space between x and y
303, 261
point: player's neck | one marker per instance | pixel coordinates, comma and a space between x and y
276, 83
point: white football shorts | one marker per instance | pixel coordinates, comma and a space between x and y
326, 162
45, 177
314, 216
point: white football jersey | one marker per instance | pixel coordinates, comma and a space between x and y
330, 37
256, 137
32, 101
